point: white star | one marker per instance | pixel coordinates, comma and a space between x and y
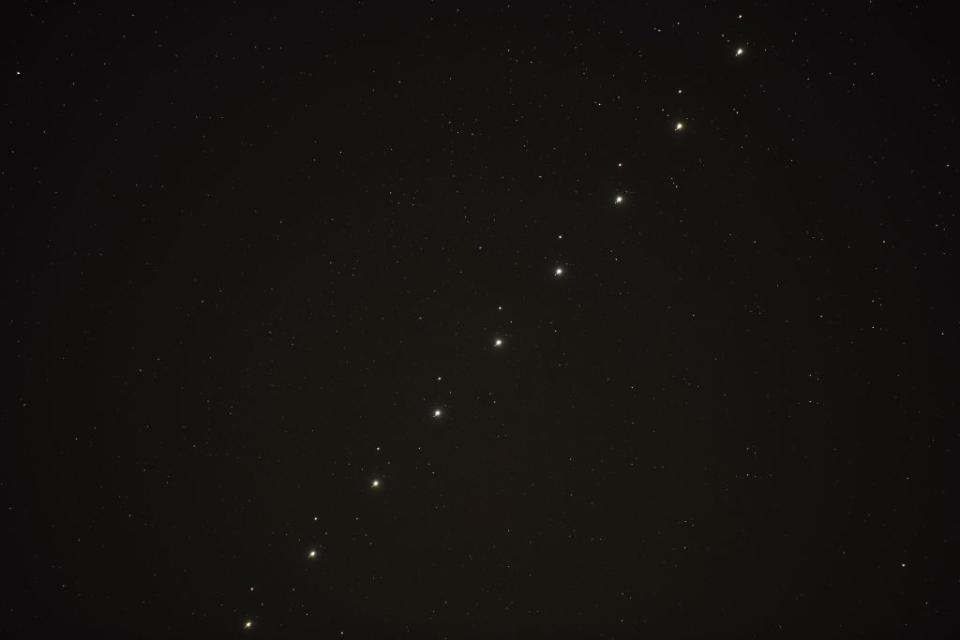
374, 484
740, 51
678, 126
248, 624
498, 342
312, 554
558, 272
437, 413
618, 200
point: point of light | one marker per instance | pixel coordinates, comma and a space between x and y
558, 271
312, 554
740, 51
374, 484
498, 342
437, 413
618, 200
678, 126
619, 164
248, 624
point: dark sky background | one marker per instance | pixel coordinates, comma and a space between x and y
247, 253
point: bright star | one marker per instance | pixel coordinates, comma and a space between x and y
678, 127
375, 484
248, 624
558, 272
312, 554
437, 413
740, 51
498, 342
618, 200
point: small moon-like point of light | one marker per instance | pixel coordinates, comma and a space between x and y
498, 342
740, 51
618, 200
558, 272
437, 413
248, 624
678, 127
312, 554
375, 484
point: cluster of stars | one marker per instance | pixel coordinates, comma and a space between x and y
498, 342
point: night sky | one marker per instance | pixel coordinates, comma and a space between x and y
512, 320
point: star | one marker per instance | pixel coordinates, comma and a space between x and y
437, 413
558, 272
618, 200
498, 342
312, 554
248, 624
740, 51
678, 126
374, 484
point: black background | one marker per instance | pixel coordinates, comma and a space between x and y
246, 252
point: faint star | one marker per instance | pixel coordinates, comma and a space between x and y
374, 484
618, 200
558, 272
248, 624
312, 554
437, 413
678, 126
740, 51
498, 342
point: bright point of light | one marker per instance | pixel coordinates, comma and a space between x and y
248, 624
312, 554
678, 127
498, 342
618, 200
739, 51
558, 272
619, 164
437, 413
375, 484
